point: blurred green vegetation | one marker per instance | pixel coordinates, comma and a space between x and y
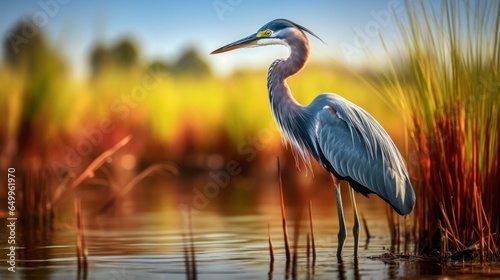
172, 109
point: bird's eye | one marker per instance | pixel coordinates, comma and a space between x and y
265, 33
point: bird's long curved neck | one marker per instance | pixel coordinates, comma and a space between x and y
291, 117
279, 92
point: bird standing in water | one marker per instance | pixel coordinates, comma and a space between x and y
347, 141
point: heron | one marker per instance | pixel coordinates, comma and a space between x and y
344, 138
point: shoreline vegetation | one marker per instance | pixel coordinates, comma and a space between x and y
445, 82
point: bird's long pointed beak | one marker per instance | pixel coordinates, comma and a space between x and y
242, 43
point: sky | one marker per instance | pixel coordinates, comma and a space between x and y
162, 29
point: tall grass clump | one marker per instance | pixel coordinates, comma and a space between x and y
445, 81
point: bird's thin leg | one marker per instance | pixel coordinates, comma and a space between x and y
342, 229
355, 228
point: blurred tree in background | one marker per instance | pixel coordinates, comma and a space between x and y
28, 55
190, 63
123, 56
99, 57
160, 66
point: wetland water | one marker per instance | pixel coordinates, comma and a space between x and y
142, 238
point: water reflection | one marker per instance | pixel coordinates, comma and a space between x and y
346, 268
271, 269
142, 238
341, 269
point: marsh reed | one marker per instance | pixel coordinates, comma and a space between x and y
292, 259
270, 241
445, 82
188, 249
283, 214
81, 247
119, 194
311, 227
42, 194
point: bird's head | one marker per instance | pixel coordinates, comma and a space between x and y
276, 32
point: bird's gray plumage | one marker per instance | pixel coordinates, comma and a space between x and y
354, 145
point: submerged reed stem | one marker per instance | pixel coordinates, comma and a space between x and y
81, 248
187, 259
312, 232
308, 250
283, 214
365, 225
193, 252
270, 240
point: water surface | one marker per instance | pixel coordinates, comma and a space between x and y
142, 237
